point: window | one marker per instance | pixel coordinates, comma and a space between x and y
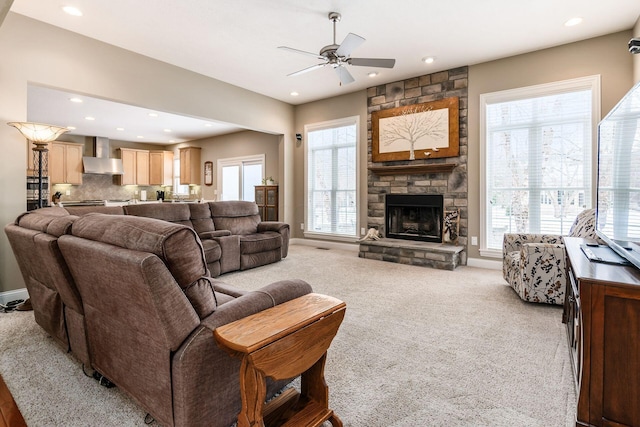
178, 189
331, 168
237, 177
536, 148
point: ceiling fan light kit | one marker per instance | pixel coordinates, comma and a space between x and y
338, 55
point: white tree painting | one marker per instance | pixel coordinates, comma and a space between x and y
416, 128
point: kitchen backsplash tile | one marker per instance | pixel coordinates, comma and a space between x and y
102, 187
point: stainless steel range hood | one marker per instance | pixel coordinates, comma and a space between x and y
101, 163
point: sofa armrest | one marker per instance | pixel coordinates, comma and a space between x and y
227, 289
256, 301
213, 234
513, 241
543, 263
279, 227
272, 226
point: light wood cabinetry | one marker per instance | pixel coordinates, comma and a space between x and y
602, 315
267, 201
190, 172
160, 167
135, 164
65, 163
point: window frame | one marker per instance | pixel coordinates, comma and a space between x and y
571, 85
237, 161
329, 124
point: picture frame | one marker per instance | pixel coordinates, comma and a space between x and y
451, 226
420, 131
208, 173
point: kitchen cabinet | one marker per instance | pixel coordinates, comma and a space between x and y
267, 201
190, 173
135, 164
161, 167
65, 163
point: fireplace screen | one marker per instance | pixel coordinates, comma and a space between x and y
414, 217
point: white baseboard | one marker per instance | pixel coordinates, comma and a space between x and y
325, 244
7, 296
484, 263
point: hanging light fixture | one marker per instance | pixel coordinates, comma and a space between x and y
40, 134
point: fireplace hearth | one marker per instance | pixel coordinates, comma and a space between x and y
414, 217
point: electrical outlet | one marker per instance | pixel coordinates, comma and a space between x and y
363, 231
135, 192
302, 226
474, 240
67, 193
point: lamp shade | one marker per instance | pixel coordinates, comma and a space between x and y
38, 132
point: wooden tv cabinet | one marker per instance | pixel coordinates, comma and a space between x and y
602, 314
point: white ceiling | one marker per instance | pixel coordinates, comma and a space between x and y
236, 41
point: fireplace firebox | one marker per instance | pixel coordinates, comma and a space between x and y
414, 217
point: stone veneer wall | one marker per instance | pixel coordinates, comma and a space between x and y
453, 185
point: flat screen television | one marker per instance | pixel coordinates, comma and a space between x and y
618, 185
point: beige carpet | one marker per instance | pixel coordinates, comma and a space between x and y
418, 347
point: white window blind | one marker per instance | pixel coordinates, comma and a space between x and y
178, 189
538, 159
331, 165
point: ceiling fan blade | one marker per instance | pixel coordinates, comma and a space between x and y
302, 52
372, 62
344, 75
304, 70
349, 43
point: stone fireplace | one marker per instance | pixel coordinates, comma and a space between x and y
414, 217
406, 240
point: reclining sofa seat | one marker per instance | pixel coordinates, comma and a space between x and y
194, 215
259, 242
150, 311
56, 301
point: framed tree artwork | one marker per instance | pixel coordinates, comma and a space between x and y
420, 131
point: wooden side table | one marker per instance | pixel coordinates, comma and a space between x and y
283, 342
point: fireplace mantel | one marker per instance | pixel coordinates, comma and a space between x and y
413, 169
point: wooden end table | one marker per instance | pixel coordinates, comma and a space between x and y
283, 342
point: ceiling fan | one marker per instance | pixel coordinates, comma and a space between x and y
337, 55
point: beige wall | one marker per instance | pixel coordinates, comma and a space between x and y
239, 144
33, 52
607, 56
353, 104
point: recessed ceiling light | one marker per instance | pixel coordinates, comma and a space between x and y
140, 137
172, 140
153, 114
119, 128
208, 125
573, 21
76, 100
372, 74
71, 127
167, 130
294, 93
73, 11
89, 118
428, 60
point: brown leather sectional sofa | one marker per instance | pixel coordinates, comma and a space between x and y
129, 291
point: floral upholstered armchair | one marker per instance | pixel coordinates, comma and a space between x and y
534, 264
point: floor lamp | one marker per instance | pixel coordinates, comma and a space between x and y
40, 134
